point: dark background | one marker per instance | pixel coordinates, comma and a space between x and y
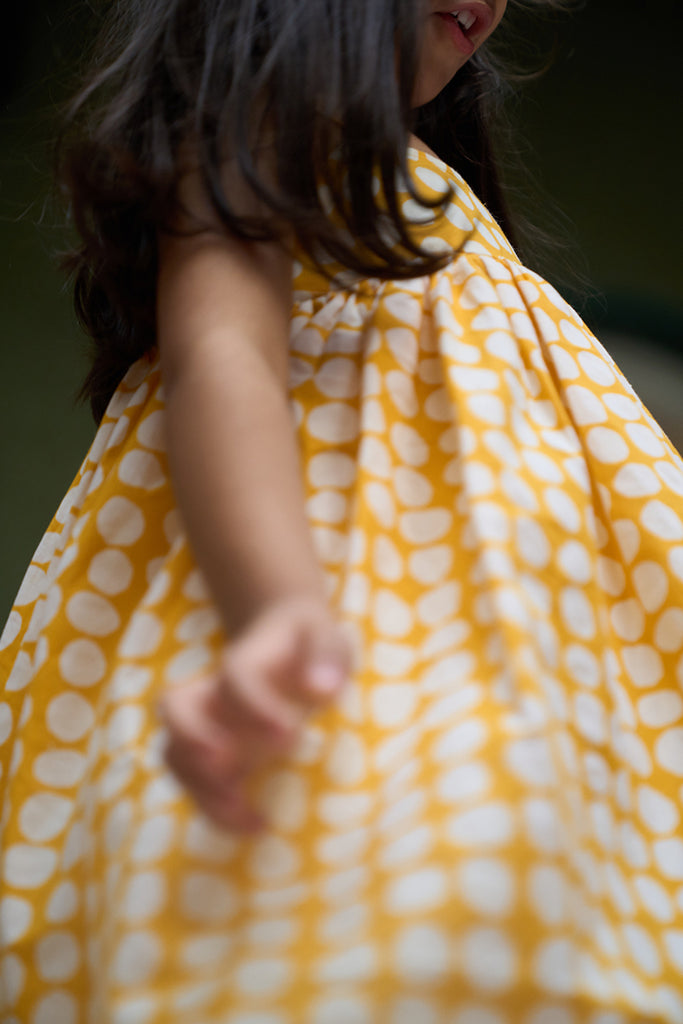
601, 135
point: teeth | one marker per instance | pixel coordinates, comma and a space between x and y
465, 18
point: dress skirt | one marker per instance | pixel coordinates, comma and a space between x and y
486, 827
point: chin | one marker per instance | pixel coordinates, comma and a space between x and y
429, 85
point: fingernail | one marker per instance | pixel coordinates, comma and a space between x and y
325, 677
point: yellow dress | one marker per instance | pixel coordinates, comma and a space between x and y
486, 829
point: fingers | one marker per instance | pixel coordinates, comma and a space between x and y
294, 657
282, 669
257, 683
187, 713
209, 760
220, 797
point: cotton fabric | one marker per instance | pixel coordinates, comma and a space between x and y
486, 827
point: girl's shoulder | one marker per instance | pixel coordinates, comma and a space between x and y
462, 222
458, 223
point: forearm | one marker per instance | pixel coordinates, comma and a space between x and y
237, 476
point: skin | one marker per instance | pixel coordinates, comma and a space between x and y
223, 311
439, 59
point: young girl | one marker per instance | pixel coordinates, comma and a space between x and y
345, 686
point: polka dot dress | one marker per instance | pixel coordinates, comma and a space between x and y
486, 829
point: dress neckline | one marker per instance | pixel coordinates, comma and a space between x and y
419, 155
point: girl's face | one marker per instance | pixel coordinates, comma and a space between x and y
454, 29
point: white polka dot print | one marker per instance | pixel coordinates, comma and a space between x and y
56, 1008
421, 953
206, 898
57, 956
144, 896
16, 915
82, 663
554, 965
486, 823
486, 885
27, 866
120, 522
206, 952
44, 815
488, 826
63, 903
489, 959
661, 708
136, 958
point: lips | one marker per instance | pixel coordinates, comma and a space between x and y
472, 18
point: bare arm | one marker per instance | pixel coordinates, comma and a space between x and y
223, 318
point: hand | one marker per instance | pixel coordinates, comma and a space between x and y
292, 659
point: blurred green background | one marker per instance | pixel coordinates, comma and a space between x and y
602, 137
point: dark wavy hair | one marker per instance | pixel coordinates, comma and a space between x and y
215, 76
